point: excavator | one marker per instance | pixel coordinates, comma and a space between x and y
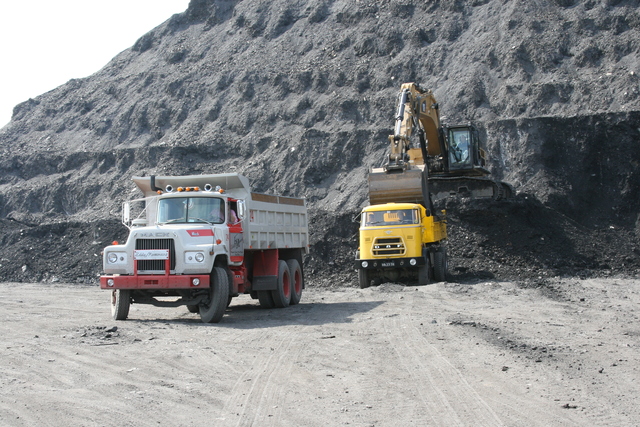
448, 162
401, 234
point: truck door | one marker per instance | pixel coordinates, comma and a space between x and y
236, 236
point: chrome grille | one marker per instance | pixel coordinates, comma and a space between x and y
156, 264
384, 246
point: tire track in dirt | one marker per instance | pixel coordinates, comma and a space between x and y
445, 394
256, 397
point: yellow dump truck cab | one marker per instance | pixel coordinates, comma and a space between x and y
401, 240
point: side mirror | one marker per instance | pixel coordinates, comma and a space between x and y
241, 209
126, 213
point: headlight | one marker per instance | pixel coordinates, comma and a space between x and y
117, 258
365, 264
193, 257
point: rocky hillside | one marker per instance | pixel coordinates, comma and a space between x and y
300, 96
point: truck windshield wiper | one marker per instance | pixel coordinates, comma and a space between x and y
172, 220
202, 220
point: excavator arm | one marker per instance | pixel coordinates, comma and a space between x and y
417, 112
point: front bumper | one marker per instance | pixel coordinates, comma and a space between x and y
377, 264
154, 282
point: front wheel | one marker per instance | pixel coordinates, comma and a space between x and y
120, 303
423, 271
440, 265
364, 278
214, 309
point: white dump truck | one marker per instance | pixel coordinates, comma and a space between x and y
200, 240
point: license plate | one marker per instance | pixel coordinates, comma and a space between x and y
388, 264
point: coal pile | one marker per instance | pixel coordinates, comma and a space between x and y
300, 97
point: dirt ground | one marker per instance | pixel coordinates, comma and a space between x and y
483, 354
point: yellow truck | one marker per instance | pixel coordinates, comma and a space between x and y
401, 240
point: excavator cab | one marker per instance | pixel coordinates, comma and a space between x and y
465, 157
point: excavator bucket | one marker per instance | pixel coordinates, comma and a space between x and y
401, 187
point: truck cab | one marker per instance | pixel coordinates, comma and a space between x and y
400, 240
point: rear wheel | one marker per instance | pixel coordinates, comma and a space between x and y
213, 311
282, 295
364, 278
440, 265
120, 303
296, 281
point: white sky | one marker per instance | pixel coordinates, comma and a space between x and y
45, 43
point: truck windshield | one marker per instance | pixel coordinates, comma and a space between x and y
390, 217
191, 209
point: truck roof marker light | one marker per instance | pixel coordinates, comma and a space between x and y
196, 188
115, 243
179, 189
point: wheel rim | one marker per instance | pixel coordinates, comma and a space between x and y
286, 285
297, 283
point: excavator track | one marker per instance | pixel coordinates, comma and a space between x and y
472, 187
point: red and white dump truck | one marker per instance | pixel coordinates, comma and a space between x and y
202, 240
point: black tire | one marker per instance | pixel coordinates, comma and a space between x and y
218, 296
229, 301
282, 295
265, 298
120, 303
364, 278
193, 308
424, 270
440, 265
296, 281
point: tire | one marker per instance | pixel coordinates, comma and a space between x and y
364, 278
218, 297
296, 281
265, 298
423, 271
282, 295
229, 301
193, 308
120, 303
440, 265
